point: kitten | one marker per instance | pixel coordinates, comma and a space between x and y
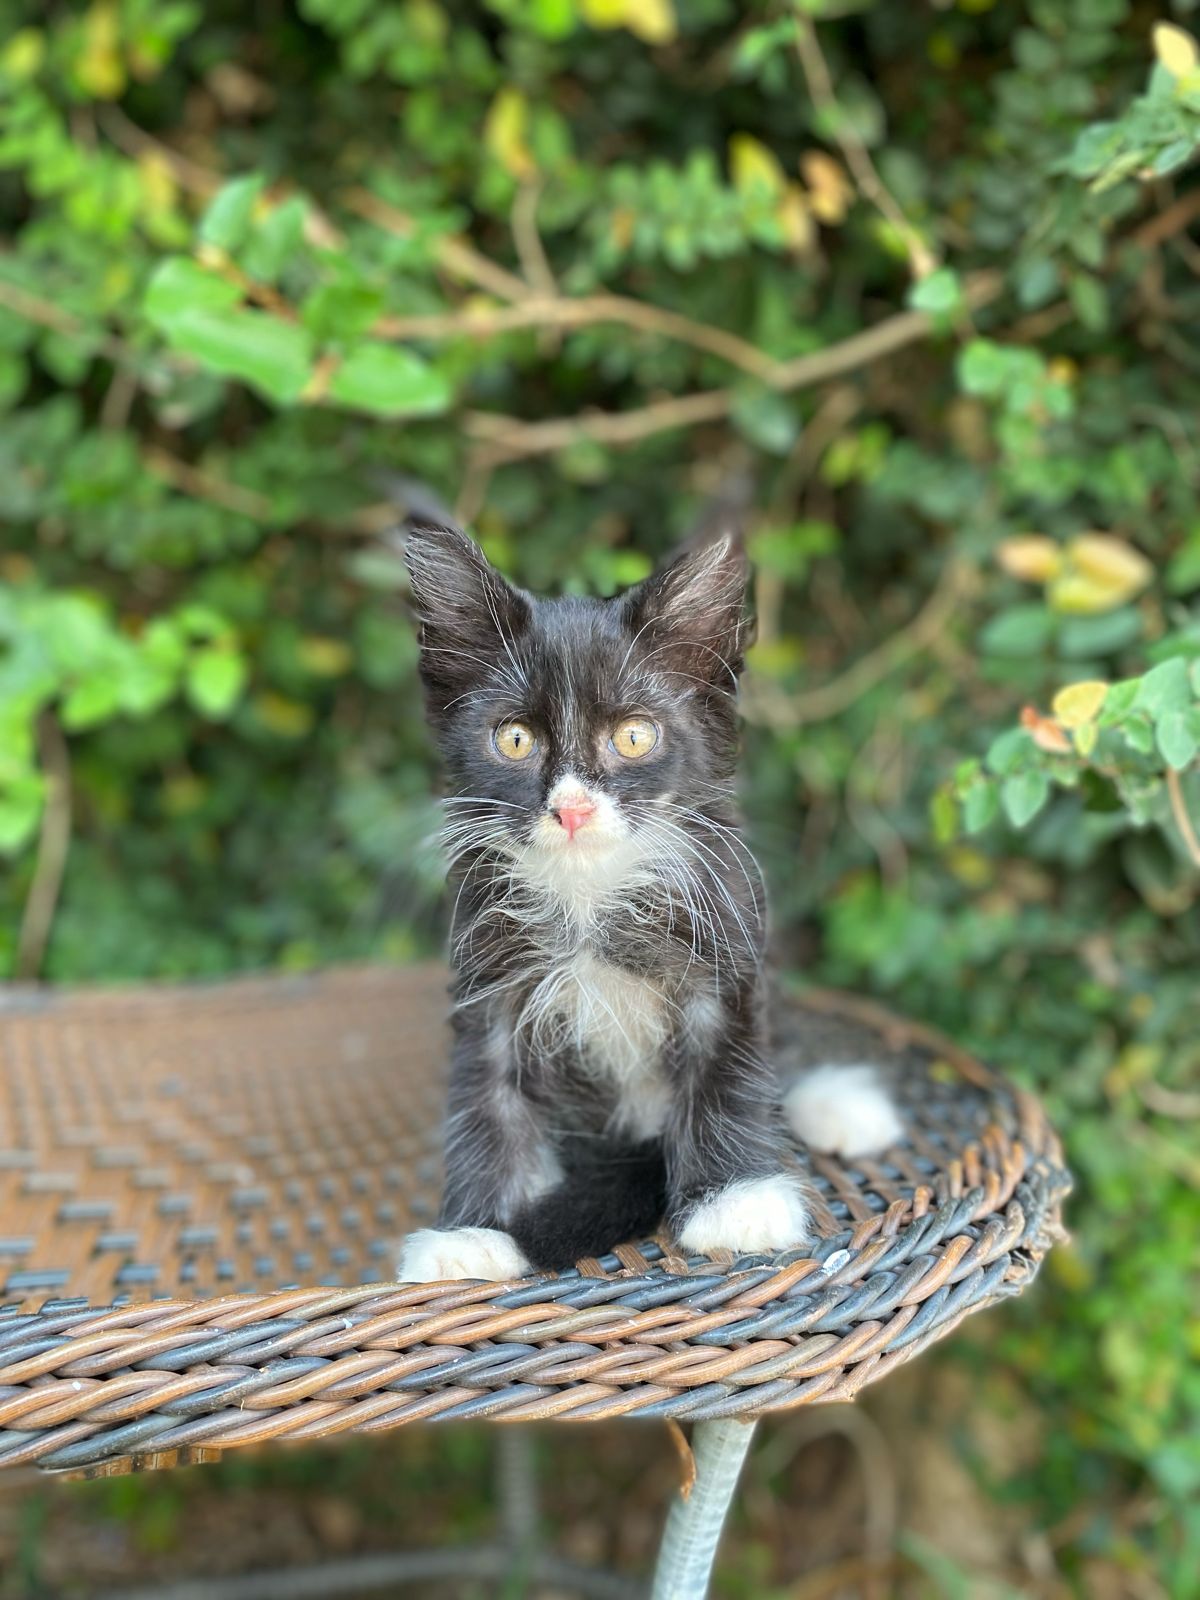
610, 1063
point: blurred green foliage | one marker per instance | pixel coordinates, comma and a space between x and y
572, 267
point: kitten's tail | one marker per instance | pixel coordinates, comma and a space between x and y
598, 1204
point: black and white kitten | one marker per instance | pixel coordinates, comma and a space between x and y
610, 1058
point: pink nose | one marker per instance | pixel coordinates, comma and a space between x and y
574, 816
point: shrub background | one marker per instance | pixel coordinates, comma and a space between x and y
911, 290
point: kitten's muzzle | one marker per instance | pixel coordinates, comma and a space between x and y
574, 814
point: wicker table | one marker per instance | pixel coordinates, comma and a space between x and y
203, 1186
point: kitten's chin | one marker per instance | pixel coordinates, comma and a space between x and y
585, 869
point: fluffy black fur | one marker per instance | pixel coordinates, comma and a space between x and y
567, 1156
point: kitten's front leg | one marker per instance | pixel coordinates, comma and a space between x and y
497, 1159
730, 1184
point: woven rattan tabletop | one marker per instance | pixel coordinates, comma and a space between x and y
204, 1188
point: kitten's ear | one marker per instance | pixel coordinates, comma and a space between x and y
469, 615
688, 616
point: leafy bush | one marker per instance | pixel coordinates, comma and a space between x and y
911, 288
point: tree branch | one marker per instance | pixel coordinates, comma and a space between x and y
776, 708
528, 241
870, 185
1179, 810
54, 843
559, 312
516, 439
459, 258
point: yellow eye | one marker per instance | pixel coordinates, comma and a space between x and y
635, 738
514, 741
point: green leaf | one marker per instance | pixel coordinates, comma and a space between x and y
1010, 750
1138, 733
227, 221
341, 311
766, 419
94, 700
1177, 742
939, 294
276, 242
20, 808
1084, 638
178, 285
1089, 298
1119, 701
1183, 570
1023, 796
216, 677
390, 382
1165, 688
983, 368
980, 807
1019, 631
272, 356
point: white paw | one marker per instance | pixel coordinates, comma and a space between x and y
846, 1111
755, 1215
434, 1254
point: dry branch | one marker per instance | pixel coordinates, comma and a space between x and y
54, 843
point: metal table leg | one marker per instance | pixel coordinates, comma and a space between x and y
694, 1526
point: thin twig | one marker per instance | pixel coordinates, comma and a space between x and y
516, 439
543, 312
1166, 224
45, 314
785, 711
201, 485
459, 258
54, 843
531, 252
871, 186
135, 141
1179, 811
1177, 1104
118, 399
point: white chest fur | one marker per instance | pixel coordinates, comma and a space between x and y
618, 1023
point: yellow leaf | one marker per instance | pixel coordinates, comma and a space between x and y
651, 20
1085, 738
1075, 594
1100, 573
754, 168
99, 70
604, 13
159, 188
23, 55
290, 719
1111, 561
829, 190
1079, 702
1061, 369
795, 218
325, 658
1176, 49
504, 134
1031, 557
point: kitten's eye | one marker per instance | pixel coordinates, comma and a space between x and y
635, 738
514, 741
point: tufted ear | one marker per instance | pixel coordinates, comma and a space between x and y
688, 616
469, 615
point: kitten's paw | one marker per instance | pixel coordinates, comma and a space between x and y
750, 1217
434, 1254
844, 1111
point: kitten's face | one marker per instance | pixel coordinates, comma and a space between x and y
577, 733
